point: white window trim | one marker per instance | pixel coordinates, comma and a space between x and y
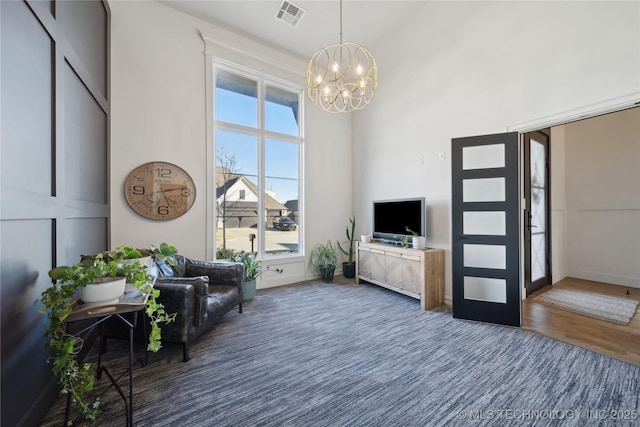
213, 63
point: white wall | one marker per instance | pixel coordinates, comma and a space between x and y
456, 69
470, 68
558, 204
158, 102
603, 198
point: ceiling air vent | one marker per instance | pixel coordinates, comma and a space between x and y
290, 13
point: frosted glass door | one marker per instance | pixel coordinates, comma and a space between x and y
485, 240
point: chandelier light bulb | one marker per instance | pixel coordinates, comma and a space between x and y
359, 69
319, 79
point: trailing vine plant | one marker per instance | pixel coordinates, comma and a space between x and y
75, 379
56, 303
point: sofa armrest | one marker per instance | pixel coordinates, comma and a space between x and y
186, 296
200, 283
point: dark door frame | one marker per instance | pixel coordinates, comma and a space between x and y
544, 136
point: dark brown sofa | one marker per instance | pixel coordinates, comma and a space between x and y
200, 292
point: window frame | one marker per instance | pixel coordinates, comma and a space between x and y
262, 134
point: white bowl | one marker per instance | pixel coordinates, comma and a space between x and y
108, 291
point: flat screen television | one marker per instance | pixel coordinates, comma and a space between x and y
392, 217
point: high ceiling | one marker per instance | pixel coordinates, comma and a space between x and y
364, 22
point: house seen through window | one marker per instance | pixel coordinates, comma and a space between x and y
258, 148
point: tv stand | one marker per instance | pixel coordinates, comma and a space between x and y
389, 242
418, 273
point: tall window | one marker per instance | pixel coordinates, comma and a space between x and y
258, 149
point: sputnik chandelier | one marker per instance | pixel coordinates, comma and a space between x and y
341, 77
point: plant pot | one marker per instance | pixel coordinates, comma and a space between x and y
419, 242
248, 290
349, 270
106, 291
130, 287
326, 273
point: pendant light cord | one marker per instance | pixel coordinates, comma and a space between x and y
340, 21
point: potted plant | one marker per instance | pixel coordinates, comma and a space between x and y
129, 254
164, 252
252, 270
418, 242
324, 259
349, 267
57, 303
75, 379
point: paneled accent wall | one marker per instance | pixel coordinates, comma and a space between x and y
54, 174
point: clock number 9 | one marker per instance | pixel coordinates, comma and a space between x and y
163, 210
138, 190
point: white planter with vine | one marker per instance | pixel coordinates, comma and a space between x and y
419, 242
107, 290
130, 287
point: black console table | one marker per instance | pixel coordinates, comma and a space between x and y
132, 303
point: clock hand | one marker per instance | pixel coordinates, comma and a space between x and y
165, 196
171, 189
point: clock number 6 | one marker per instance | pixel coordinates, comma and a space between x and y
163, 210
138, 190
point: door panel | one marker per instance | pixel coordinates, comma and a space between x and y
485, 217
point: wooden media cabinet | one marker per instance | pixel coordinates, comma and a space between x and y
418, 273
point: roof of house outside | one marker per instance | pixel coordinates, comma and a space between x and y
226, 179
292, 205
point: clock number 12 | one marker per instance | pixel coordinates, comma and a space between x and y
163, 173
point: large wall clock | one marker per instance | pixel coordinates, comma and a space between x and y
160, 190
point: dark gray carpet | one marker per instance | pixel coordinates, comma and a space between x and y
323, 354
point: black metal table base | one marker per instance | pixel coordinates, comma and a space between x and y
128, 400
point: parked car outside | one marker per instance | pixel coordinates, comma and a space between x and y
284, 223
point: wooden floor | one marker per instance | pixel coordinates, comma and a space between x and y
620, 342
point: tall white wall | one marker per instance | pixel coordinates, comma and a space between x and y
603, 198
470, 68
558, 204
159, 113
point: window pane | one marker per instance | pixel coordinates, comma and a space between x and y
483, 157
485, 289
281, 196
236, 99
483, 190
281, 111
236, 190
